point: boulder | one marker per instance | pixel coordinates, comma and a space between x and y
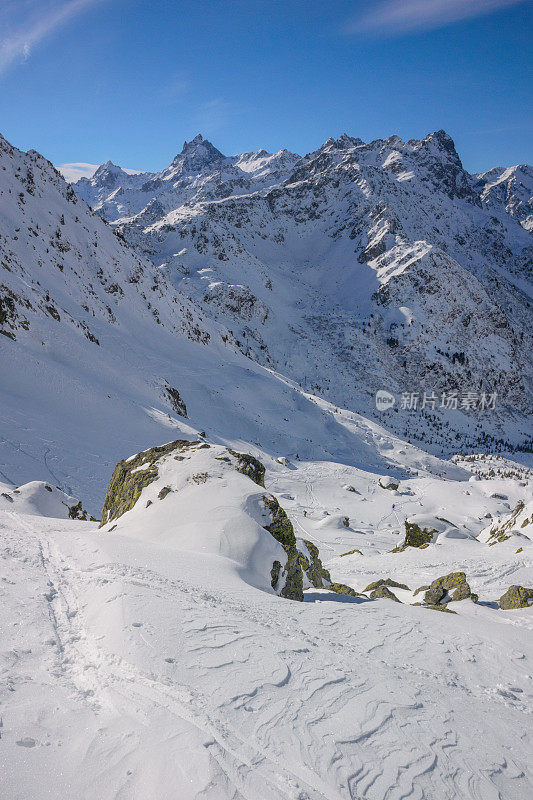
386, 482
382, 592
415, 536
385, 582
447, 589
516, 597
342, 588
351, 552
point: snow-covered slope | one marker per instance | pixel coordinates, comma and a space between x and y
508, 189
100, 352
154, 659
42, 500
356, 268
163, 650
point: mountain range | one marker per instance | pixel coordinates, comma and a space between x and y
357, 267
238, 561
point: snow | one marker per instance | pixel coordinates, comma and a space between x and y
38, 499
510, 190
319, 264
161, 666
75, 170
151, 657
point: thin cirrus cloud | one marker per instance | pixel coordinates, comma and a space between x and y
25, 23
75, 170
403, 16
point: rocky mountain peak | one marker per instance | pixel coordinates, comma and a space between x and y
197, 153
443, 142
342, 143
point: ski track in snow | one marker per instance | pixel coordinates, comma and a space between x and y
278, 699
146, 664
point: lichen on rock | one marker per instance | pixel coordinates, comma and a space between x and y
385, 582
311, 564
516, 597
303, 558
342, 588
281, 529
382, 592
251, 466
437, 608
132, 475
415, 536
447, 589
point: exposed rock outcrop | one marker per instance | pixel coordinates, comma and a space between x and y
516, 597
385, 582
132, 475
447, 589
381, 592
415, 536
250, 466
166, 472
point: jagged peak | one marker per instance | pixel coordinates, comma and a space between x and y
196, 152
352, 141
394, 140
343, 142
442, 139
108, 167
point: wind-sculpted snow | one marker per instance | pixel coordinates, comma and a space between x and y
360, 267
140, 662
158, 652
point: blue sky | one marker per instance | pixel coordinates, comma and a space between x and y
129, 80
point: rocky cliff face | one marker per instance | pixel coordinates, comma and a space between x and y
62, 264
358, 267
508, 190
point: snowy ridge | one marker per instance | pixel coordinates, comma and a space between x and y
351, 257
102, 336
153, 652
509, 189
199, 172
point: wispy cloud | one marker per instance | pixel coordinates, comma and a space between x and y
75, 170
25, 23
402, 16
